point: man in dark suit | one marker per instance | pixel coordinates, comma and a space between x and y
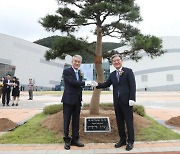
71, 99
6, 90
124, 96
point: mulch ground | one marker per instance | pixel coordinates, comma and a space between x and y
6, 124
174, 121
55, 123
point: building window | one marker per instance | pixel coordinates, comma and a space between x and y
7, 69
144, 78
169, 77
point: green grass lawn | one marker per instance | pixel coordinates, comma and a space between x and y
33, 132
59, 93
156, 132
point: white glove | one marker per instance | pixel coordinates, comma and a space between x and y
88, 83
131, 102
94, 84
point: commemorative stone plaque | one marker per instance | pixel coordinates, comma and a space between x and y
97, 124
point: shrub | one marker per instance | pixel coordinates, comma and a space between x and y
52, 109
102, 105
86, 105
139, 109
106, 105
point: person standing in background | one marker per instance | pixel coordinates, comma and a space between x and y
1, 85
30, 89
15, 91
6, 90
19, 89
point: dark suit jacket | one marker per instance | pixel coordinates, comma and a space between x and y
6, 87
72, 87
126, 86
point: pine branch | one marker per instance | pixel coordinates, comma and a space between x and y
79, 6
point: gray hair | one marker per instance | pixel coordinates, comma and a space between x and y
116, 55
77, 56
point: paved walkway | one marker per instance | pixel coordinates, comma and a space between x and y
161, 106
139, 147
18, 116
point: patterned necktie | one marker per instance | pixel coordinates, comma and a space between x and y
118, 75
77, 75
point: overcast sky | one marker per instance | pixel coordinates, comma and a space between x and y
20, 18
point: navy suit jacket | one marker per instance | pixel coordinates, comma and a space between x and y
126, 86
72, 87
6, 86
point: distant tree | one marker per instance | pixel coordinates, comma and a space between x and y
47, 42
59, 44
114, 18
52, 40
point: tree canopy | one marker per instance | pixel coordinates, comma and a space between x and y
115, 18
111, 18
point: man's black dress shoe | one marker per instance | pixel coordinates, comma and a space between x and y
77, 143
120, 144
67, 145
129, 146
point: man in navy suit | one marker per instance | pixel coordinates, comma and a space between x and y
124, 96
6, 90
71, 99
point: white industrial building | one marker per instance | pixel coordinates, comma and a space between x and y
25, 60
161, 73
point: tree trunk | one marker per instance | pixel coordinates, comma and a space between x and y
94, 106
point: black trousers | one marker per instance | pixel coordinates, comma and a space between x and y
6, 96
124, 115
71, 111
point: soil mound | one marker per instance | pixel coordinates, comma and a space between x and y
174, 121
55, 123
6, 124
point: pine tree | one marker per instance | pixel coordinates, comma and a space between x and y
114, 18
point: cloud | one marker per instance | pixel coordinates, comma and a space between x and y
20, 18
160, 17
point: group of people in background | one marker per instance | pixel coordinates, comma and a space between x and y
9, 84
